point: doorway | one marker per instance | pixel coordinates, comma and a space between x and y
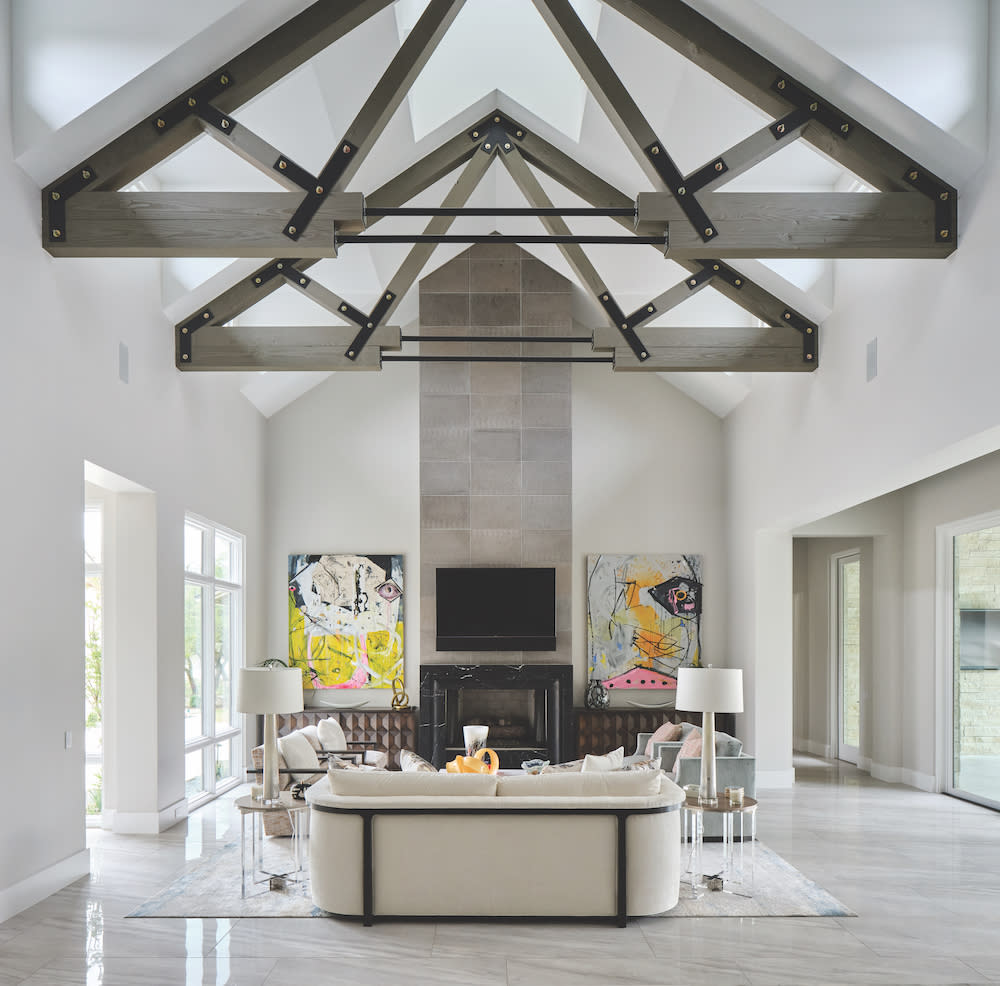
846, 624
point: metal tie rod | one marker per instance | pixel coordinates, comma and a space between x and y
470, 211
490, 238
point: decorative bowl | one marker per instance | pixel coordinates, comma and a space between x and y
534, 766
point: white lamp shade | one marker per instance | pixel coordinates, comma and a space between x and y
264, 690
709, 690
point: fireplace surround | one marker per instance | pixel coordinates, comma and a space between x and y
526, 706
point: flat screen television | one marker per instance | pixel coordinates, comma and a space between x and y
979, 639
496, 609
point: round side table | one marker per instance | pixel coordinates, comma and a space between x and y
298, 817
737, 870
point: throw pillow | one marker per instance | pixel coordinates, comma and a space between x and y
727, 746
691, 747
412, 762
331, 735
645, 763
335, 763
667, 733
569, 767
298, 753
614, 760
311, 733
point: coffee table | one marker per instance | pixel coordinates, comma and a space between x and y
737, 870
298, 816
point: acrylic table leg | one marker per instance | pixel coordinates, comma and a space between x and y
243, 852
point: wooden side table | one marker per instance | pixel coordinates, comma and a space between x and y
298, 817
737, 871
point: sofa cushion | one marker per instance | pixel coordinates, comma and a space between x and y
727, 746
395, 783
607, 784
411, 762
687, 728
691, 747
614, 760
298, 752
311, 733
331, 735
667, 733
570, 766
337, 763
642, 763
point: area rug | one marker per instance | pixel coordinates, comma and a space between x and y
210, 888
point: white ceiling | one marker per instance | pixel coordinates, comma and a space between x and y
497, 55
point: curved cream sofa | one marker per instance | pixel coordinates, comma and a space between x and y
469, 845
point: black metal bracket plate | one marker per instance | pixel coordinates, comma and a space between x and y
273, 270
697, 180
716, 268
809, 333
292, 275
497, 132
801, 98
316, 195
190, 103
944, 197
76, 182
303, 178
677, 184
186, 329
369, 325
623, 325
788, 124
214, 117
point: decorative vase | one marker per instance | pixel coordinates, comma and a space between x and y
597, 696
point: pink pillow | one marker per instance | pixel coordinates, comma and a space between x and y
691, 747
667, 733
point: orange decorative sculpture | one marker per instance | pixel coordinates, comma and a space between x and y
476, 764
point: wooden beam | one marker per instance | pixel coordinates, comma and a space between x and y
248, 73
199, 224
733, 349
602, 81
397, 191
763, 225
254, 150
748, 153
283, 347
750, 74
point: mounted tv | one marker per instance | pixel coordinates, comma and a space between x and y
979, 639
496, 609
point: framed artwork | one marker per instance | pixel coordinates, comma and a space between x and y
345, 619
643, 619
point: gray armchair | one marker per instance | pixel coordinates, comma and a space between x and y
739, 771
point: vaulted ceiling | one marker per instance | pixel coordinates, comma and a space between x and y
728, 169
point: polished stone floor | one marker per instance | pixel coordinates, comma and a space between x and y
921, 870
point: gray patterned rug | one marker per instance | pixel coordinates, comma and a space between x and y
210, 888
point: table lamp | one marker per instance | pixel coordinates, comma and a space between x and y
268, 691
709, 690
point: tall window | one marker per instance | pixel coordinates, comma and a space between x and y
213, 649
93, 657
849, 656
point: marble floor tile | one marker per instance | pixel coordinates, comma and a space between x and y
376, 969
113, 971
563, 968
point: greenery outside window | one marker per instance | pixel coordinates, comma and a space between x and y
93, 654
213, 650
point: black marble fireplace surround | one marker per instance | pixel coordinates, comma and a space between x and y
531, 719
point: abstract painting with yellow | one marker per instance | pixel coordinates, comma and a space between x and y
345, 619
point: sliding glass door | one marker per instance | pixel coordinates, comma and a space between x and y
974, 638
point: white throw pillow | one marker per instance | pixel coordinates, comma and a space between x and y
299, 753
396, 783
614, 760
603, 784
311, 733
331, 735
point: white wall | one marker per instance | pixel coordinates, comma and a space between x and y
192, 440
647, 477
343, 474
802, 447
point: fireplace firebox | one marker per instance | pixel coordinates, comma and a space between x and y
526, 706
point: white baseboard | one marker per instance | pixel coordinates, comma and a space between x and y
38, 886
775, 778
902, 775
823, 750
148, 822
924, 782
